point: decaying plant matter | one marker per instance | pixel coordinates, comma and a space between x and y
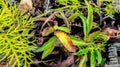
25, 5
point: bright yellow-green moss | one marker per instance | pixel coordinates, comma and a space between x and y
14, 29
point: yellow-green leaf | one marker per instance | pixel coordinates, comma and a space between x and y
96, 36
73, 17
77, 42
47, 44
99, 56
65, 29
85, 27
82, 51
90, 16
66, 41
48, 51
92, 59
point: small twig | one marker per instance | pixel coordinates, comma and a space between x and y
52, 16
65, 20
55, 10
99, 7
47, 2
41, 15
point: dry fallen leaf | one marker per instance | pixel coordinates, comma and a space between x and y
1, 65
25, 5
112, 33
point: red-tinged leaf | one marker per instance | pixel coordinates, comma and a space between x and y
112, 33
83, 61
66, 41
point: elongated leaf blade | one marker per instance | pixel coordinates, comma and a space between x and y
65, 29
46, 45
82, 52
77, 42
90, 16
73, 17
83, 61
93, 36
85, 29
99, 56
92, 59
97, 36
66, 41
48, 50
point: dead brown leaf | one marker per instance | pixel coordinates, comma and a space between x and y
25, 5
112, 33
1, 65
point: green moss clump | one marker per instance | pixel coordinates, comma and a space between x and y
14, 33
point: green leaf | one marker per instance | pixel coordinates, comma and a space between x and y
83, 61
87, 22
74, 2
92, 59
73, 16
98, 36
63, 2
90, 16
103, 62
93, 36
85, 29
48, 50
65, 29
46, 45
58, 15
5, 55
82, 51
99, 56
77, 41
